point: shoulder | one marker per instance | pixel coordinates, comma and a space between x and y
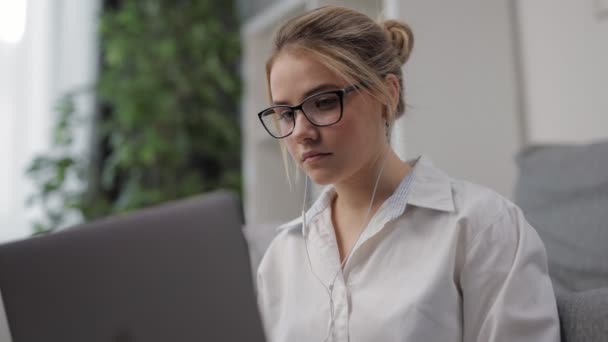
285, 242
479, 205
487, 218
494, 224
494, 231
456, 199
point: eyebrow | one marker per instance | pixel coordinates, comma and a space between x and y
318, 89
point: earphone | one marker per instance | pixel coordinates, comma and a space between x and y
330, 288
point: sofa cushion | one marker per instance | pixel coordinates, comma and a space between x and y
563, 191
584, 315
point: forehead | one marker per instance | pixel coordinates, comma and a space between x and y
293, 76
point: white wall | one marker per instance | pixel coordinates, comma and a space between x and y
565, 63
461, 86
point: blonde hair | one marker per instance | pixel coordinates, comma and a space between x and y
352, 45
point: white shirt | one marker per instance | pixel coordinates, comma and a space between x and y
445, 261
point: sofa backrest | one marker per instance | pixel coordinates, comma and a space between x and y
563, 191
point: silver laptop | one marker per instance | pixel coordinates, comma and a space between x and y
175, 273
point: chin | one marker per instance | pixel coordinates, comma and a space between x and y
322, 177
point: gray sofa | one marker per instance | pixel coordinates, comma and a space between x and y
563, 191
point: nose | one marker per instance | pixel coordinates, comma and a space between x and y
304, 130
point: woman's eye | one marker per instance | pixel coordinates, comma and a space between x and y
286, 115
326, 103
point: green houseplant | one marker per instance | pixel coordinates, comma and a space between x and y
166, 124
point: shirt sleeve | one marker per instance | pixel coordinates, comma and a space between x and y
506, 290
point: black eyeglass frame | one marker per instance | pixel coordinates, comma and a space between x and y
340, 92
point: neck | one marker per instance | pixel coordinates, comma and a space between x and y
354, 194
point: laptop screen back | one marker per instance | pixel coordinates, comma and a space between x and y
178, 272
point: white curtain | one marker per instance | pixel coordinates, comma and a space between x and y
57, 53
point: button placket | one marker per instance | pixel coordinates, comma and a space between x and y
341, 310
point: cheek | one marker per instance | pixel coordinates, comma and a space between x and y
360, 130
362, 139
291, 148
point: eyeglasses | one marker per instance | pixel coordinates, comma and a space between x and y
323, 109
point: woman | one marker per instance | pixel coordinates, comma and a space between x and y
392, 250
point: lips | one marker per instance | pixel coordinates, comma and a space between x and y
313, 155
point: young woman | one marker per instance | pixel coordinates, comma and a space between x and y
392, 250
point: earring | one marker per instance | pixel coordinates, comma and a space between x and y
387, 130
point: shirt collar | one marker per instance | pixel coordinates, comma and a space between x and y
430, 188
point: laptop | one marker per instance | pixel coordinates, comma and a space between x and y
177, 272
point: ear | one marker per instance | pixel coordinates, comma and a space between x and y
395, 90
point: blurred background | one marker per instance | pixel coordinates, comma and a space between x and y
107, 106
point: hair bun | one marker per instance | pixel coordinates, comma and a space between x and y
401, 37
